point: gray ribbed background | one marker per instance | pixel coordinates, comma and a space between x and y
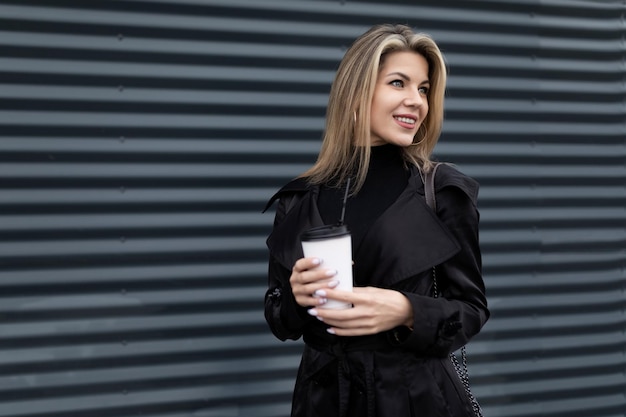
139, 141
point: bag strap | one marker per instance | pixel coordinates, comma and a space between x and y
429, 187
460, 368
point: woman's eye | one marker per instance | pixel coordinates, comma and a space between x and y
397, 83
424, 91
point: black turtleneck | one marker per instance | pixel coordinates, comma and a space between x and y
386, 178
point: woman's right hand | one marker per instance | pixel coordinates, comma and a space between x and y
307, 276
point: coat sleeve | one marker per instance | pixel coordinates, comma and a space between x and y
444, 324
284, 316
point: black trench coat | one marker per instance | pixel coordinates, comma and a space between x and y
402, 372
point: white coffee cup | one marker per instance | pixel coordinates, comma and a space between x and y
333, 245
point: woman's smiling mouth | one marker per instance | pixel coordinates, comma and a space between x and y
407, 122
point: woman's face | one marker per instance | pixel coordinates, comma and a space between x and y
400, 102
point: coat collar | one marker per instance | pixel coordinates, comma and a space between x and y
284, 241
408, 238
298, 185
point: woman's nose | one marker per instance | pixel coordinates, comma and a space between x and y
414, 98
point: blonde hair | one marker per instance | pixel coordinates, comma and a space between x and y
347, 139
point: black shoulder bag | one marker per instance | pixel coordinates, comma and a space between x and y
460, 368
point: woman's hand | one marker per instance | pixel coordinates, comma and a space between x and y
375, 310
305, 281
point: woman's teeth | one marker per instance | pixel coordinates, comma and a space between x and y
405, 120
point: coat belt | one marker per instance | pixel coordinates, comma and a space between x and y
338, 350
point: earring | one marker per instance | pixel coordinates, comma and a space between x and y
355, 117
419, 142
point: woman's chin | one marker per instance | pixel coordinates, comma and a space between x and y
405, 143
400, 141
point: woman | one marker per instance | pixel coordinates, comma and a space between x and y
387, 356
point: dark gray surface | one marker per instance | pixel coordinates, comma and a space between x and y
139, 141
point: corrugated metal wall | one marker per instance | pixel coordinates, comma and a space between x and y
139, 141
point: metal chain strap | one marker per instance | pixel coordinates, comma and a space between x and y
460, 368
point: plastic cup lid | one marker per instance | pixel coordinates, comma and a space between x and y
325, 232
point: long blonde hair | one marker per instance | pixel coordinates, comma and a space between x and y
346, 146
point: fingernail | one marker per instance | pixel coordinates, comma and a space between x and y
319, 318
322, 301
316, 261
333, 283
312, 312
320, 293
331, 331
331, 272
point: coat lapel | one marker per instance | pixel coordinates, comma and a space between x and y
407, 239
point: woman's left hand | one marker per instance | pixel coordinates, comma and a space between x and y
374, 310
